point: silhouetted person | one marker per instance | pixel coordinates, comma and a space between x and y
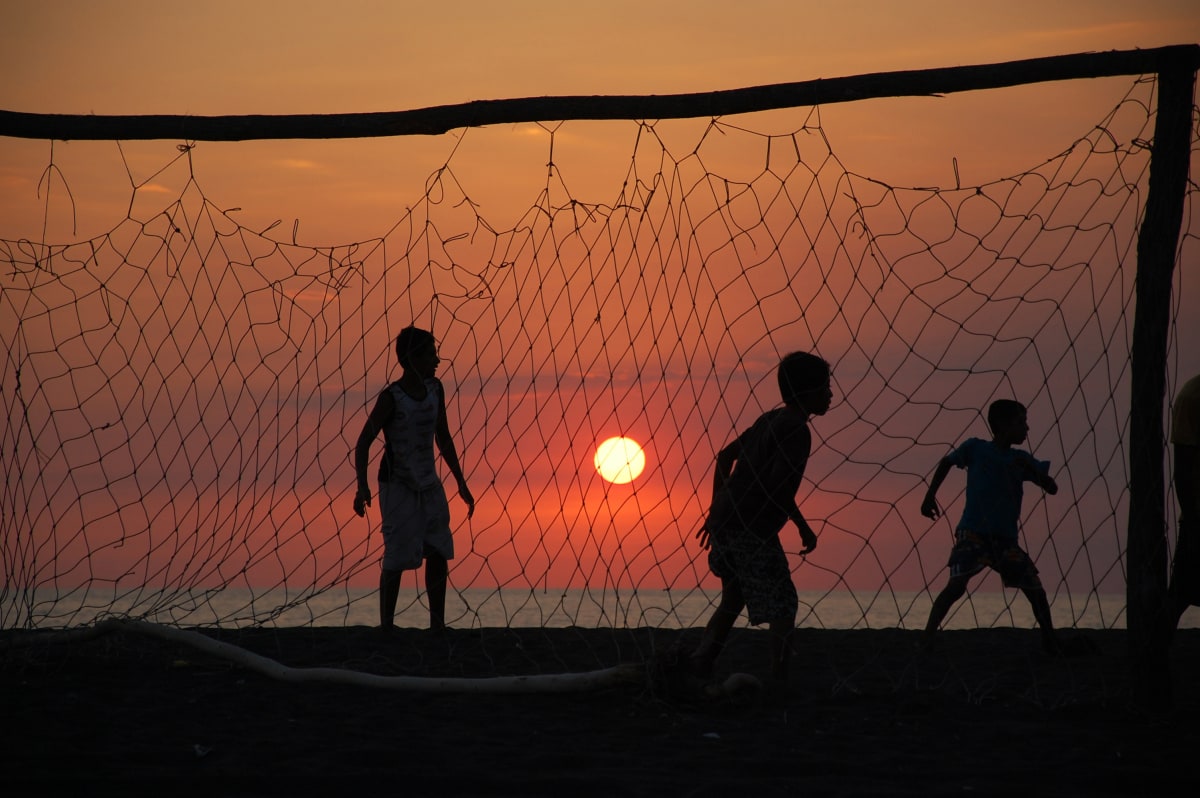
987, 533
411, 413
754, 495
1184, 589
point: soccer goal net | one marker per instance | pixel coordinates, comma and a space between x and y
182, 391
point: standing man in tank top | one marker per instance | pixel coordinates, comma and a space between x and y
411, 413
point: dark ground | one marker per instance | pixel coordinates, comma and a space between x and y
865, 713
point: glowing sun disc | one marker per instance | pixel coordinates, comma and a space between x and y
620, 460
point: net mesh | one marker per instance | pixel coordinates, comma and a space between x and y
183, 393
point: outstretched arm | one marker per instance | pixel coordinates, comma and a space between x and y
725, 460
379, 415
1039, 474
929, 507
1046, 483
445, 444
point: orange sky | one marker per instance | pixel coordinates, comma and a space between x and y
289, 57
303, 57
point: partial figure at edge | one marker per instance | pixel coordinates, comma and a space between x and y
1184, 587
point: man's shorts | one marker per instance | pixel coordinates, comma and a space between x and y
412, 521
973, 552
760, 569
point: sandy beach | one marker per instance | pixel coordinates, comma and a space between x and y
865, 712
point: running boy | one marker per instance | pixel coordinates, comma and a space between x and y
986, 536
411, 412
754, 495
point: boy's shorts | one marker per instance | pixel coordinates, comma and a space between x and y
412, 521
973, 552
760, 568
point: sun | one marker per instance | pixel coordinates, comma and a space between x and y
620, 460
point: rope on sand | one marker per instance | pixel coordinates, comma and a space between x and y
619, 675
734, 685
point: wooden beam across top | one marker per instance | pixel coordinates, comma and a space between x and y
440, 119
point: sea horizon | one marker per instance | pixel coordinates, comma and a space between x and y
45, 608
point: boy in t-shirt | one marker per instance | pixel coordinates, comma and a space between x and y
987, 533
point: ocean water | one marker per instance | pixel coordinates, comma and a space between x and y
492, 608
